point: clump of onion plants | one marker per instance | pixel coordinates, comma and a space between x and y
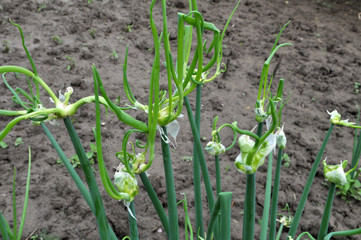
256, 149
186, 72
163, 108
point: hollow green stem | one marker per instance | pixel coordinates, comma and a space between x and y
219, 189
153, 101
343, 233
13, 122
327, 212
267, 199
279, 233
5, 228
196, 170
222, 206
122, 116
78, 182
171, 196
250, 201
155, 200
244, 132
200, 154
218, 175
308, 185
356, 154
133, 223
225, 218
249, 207
89, 99
12, 113
107, 183
272, 229
305, 234
15, 221
93, 188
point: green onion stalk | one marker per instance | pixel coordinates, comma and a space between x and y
336, 175
197, 115
343, 233
221, 207
196, 170
77, 180
253, 153
90, 179
250, 201
156, 202
266, 208
327, 212
171, 195
308, 185
216, 148
272, 231
281, 144
200, 155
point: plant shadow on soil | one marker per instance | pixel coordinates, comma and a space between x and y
320, 70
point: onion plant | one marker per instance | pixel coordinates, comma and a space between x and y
17, 231
186, 71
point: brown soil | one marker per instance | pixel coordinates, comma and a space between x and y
320, 70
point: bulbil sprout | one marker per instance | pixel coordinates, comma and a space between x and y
336, 119
164, 116
258, 158
215, 148
335, 173
126, 184
260, 114
138, 162
245, 143
286, 221
281, 138
335, 116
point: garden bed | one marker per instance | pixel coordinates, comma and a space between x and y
321, 71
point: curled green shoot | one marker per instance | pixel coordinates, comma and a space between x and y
25, 48
215, 133
107, 183
264, 86
122, 116
127, 89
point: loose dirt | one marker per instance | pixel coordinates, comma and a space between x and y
320, 72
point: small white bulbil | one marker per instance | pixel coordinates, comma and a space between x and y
258, 158
126, 184
281, 138
335, 116
214, 148
335, 173
245, 143
336, 119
